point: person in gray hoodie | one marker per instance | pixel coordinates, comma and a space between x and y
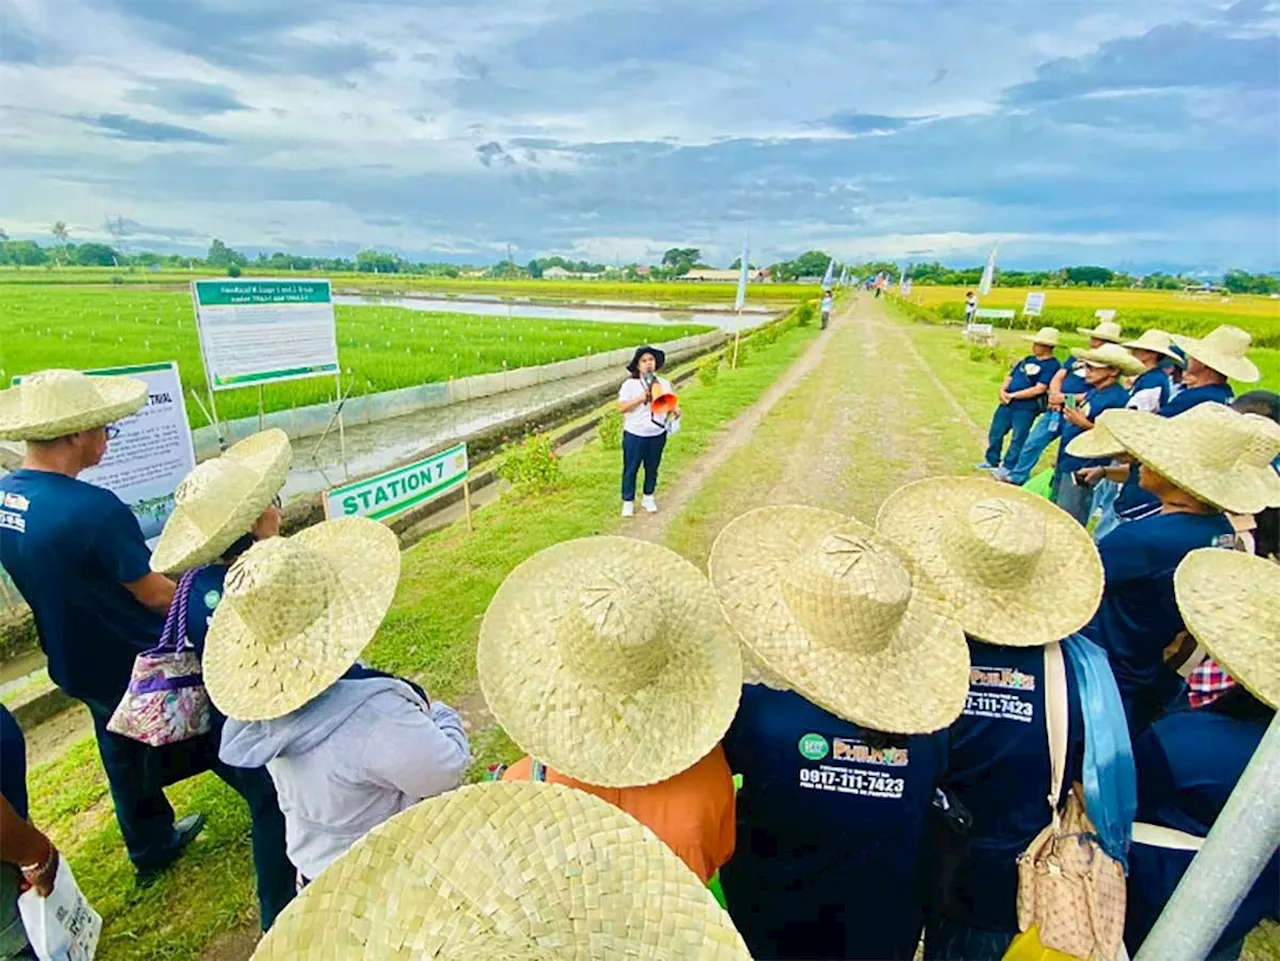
347, 747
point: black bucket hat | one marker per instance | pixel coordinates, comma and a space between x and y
659, 356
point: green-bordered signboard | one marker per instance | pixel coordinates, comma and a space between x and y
393, 492
260, 331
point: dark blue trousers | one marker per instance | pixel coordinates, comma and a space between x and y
637, 450
137, 774
1005, 419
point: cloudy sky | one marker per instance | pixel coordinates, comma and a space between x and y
1129, 132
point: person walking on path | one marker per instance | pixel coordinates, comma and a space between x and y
827, 302
853, 667
77, 555
1199, 464
1069, 381
643, 436
1021, 396
223, 508
608, 661
1191, 759
348, 747
1103, 369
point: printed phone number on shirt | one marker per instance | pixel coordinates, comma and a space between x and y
1004, 707
844, 781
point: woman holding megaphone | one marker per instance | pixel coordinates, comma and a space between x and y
650, 412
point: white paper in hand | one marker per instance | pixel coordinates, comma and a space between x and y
61, 927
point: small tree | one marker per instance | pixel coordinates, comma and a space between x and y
60, 235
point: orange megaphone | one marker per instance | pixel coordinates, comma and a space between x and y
664, 401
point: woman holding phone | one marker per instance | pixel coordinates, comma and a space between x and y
644, 435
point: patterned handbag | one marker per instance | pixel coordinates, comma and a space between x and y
1069, 889
166, 701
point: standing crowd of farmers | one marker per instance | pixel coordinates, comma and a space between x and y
963, 720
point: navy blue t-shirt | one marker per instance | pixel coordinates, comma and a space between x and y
1191, 396
1153, 382
202, 600
830, 831
998, 768
70, 548
13, 763
1028, 372
1188, 763
1138, 617
1074, 382
1095, 402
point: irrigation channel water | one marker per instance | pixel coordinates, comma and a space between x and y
607, 313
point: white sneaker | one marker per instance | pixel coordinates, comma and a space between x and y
628, 508
650, 504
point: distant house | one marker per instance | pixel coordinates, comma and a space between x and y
1204, 289
557, 273
643, 270
712, 276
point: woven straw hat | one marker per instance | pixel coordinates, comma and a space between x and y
1013, 568
506, 870
1108, 330
296, 612
1111, 355
608, 659
1045, 335
55, 403
218, 502
1221, 456
1225, 350
1231, 604
829, 607
1156, 341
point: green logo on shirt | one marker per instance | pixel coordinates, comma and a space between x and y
814, 747
211, 599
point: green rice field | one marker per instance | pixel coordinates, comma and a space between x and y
380, 347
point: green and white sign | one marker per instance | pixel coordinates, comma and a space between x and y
265, 331
385, 495
1033, 306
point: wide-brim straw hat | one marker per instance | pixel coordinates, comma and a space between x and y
1230, 602
1108, 330
55, 403
1156, 341
1048, 336
1219, 455
1110, 355
1225, 350
218, 502
1014, 569
607, 658
295, 613
828, 607
506, 870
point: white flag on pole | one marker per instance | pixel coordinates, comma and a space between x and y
742, 278
989, 272
830, 274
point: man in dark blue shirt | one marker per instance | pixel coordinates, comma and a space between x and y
77, 556
1103, 367
1020, 400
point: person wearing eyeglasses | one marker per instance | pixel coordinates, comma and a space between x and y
77, 555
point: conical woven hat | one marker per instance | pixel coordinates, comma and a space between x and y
296, 612
608, 659
1156, 341
1225, 350
1046, 335
1111, 355
219, 501
506, 870
1014, 569
829, 607
55, 403
1108, 330
1221, 456
1230, 601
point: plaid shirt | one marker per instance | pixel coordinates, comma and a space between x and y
1208, 683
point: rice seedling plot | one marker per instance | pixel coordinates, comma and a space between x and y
380, 348
1136, 310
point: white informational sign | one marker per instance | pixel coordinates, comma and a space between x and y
265, 331
1034, 303
1105, 315
385, 495
152, 453
992, 313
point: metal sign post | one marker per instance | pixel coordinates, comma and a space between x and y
1242, 841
